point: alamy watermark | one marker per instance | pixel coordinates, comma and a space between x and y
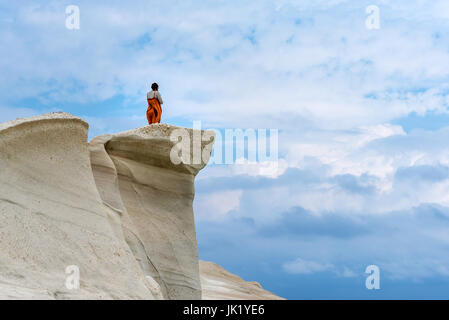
72, 20
373, 280
72, 281
373, 20
251, 145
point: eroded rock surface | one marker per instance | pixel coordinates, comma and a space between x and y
118, 208
52, 216
219, 284
152, 199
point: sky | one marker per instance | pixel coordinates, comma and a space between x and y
362, 175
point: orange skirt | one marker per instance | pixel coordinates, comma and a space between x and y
154, 111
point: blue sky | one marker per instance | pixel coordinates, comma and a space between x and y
363, 120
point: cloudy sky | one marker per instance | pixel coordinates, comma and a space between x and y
363, 171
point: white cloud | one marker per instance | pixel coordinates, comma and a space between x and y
272, 169
301, 266
215, 206
348, 273
299, 69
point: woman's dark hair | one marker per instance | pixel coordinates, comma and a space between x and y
154, 86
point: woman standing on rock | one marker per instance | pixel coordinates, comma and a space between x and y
154, 110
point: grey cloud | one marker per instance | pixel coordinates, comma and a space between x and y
299, 222
351, 183
423, 173
292, 176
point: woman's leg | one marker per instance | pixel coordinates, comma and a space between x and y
158, 114
150, 115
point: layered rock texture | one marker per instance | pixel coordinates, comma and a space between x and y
118, 209
52, 217
151, 199
219, 284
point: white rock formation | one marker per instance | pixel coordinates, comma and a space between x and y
219, 284
52, 217
152, 200
117, 208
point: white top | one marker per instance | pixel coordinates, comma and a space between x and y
150, 95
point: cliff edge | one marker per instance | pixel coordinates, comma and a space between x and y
115, 213
152, 199
219, 284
